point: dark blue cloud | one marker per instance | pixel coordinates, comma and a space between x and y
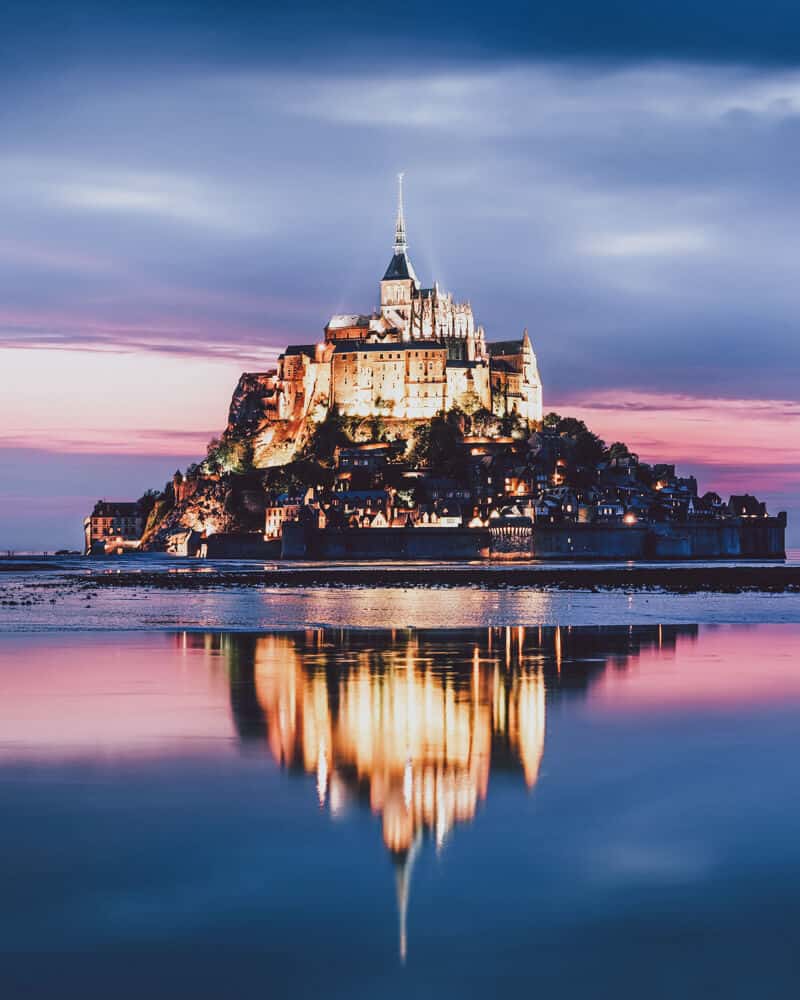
34, 34
634, 218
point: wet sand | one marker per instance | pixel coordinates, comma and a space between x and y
681, 580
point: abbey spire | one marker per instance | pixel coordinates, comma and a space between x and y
400, 242
400, 268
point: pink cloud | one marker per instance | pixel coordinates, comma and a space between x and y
83, 440
737, 442
44, 330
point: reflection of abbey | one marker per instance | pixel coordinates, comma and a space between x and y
411, 723
419, 354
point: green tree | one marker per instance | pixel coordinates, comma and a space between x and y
435, 445
147, 502
484, 422
571, 426
588, 449
421, 445
226, 455
470, 402
377, 427
513, 424
335, 431
618, 450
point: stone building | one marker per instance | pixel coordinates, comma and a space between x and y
515, 383
113, 526
421, 352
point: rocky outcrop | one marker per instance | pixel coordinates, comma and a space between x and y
205, 510
213, 504
251, 397
252, 419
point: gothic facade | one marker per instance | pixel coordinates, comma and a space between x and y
421, 352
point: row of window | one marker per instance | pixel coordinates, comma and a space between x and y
392, 356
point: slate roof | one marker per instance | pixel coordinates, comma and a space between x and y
308, 349
747, 504
504, 347
400, 267
502, 366
357, 495
116, 508
356, 346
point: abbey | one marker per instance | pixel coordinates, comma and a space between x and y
420, 353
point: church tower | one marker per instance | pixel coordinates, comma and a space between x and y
400, 282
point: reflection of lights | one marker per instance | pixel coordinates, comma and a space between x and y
412, 726
337, 795
416, 737
322, 774
408, 777
420, 740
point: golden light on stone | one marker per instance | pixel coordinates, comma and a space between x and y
420, 353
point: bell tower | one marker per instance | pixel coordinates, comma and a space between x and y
400, 282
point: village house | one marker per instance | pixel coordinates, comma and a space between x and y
113, 526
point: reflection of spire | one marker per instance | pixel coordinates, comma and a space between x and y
402, 877
322, 774
400, 244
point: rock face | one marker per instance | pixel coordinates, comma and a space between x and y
252, 419
248, 409
278, 441
205, 510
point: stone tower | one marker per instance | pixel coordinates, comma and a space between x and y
400, 283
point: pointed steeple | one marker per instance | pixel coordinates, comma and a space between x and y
404, 863
400, 267
400, 242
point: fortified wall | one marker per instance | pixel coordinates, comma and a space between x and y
735, 538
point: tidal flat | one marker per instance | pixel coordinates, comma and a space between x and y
163, 592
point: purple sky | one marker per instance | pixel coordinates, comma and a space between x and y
183, 194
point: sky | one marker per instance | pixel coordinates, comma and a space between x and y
185, 188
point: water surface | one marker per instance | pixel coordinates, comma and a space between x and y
433, 813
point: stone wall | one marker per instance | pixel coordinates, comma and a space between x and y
588, 541
239, 545
467, 383
734, 538
304, 542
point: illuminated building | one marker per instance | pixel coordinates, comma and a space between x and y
113, 526
421, 352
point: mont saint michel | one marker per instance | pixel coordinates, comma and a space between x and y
400, 439
420, 354
412, 417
